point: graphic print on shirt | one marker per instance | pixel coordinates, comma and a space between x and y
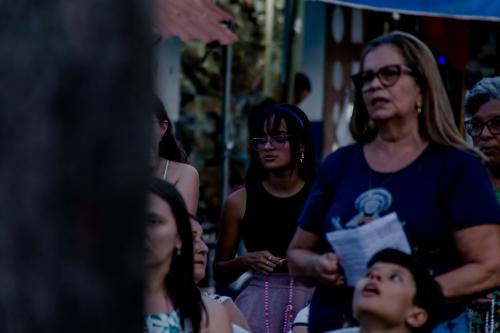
369, 205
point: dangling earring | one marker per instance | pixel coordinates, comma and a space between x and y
178, 252
419, 109
371, 124
301, 157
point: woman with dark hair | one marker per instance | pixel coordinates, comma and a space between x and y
409, 159
264, 215
168, 159
172, 301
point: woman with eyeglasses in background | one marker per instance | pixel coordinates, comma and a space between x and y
410, 159
264, 215
482, 108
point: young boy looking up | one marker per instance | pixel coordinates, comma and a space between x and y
397, 295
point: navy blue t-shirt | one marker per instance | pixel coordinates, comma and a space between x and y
445, 189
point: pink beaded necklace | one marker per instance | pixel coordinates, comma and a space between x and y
289, 313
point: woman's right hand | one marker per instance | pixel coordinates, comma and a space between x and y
328, 269
307, 262
262, 261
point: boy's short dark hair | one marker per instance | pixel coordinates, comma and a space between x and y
428, 293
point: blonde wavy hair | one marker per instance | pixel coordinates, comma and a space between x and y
436, 122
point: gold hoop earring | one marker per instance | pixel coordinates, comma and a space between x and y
371, 124
419, 109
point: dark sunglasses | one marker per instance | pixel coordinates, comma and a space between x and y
387, 75
475, 127
277, 141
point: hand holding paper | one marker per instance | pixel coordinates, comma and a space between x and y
355, 247
328, 269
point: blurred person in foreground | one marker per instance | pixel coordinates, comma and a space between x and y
172, 301
482, 108
409, 159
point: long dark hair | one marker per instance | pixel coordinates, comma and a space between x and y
298, 127
179, 282
169, 148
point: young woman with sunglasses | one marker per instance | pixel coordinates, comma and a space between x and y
264, 215
410, 159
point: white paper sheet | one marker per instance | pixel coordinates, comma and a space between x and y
355, 247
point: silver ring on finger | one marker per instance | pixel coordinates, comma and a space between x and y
269, 258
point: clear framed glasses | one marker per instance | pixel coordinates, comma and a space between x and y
387, 75
277, 141
475, 127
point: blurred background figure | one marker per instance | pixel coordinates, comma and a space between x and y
264, 215
172, 301
410, 159
168, 159
301, 88
482, 108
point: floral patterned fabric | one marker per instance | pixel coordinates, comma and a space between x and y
164, 323
480, 317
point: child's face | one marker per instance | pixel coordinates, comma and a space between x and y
386, 294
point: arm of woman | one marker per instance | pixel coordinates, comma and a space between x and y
188, 185
227, 267
472, 200
235, 315
480, 250
306, 264
217, 321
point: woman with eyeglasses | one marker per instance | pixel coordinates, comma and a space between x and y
409, 159
482, 108
264, 215
168, 159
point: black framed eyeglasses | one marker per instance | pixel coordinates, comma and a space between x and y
387, 75
277, 141
475, 127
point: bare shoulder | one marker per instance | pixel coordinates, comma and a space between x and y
235, 204
235, 314
237, 198
179, 170
218, 319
